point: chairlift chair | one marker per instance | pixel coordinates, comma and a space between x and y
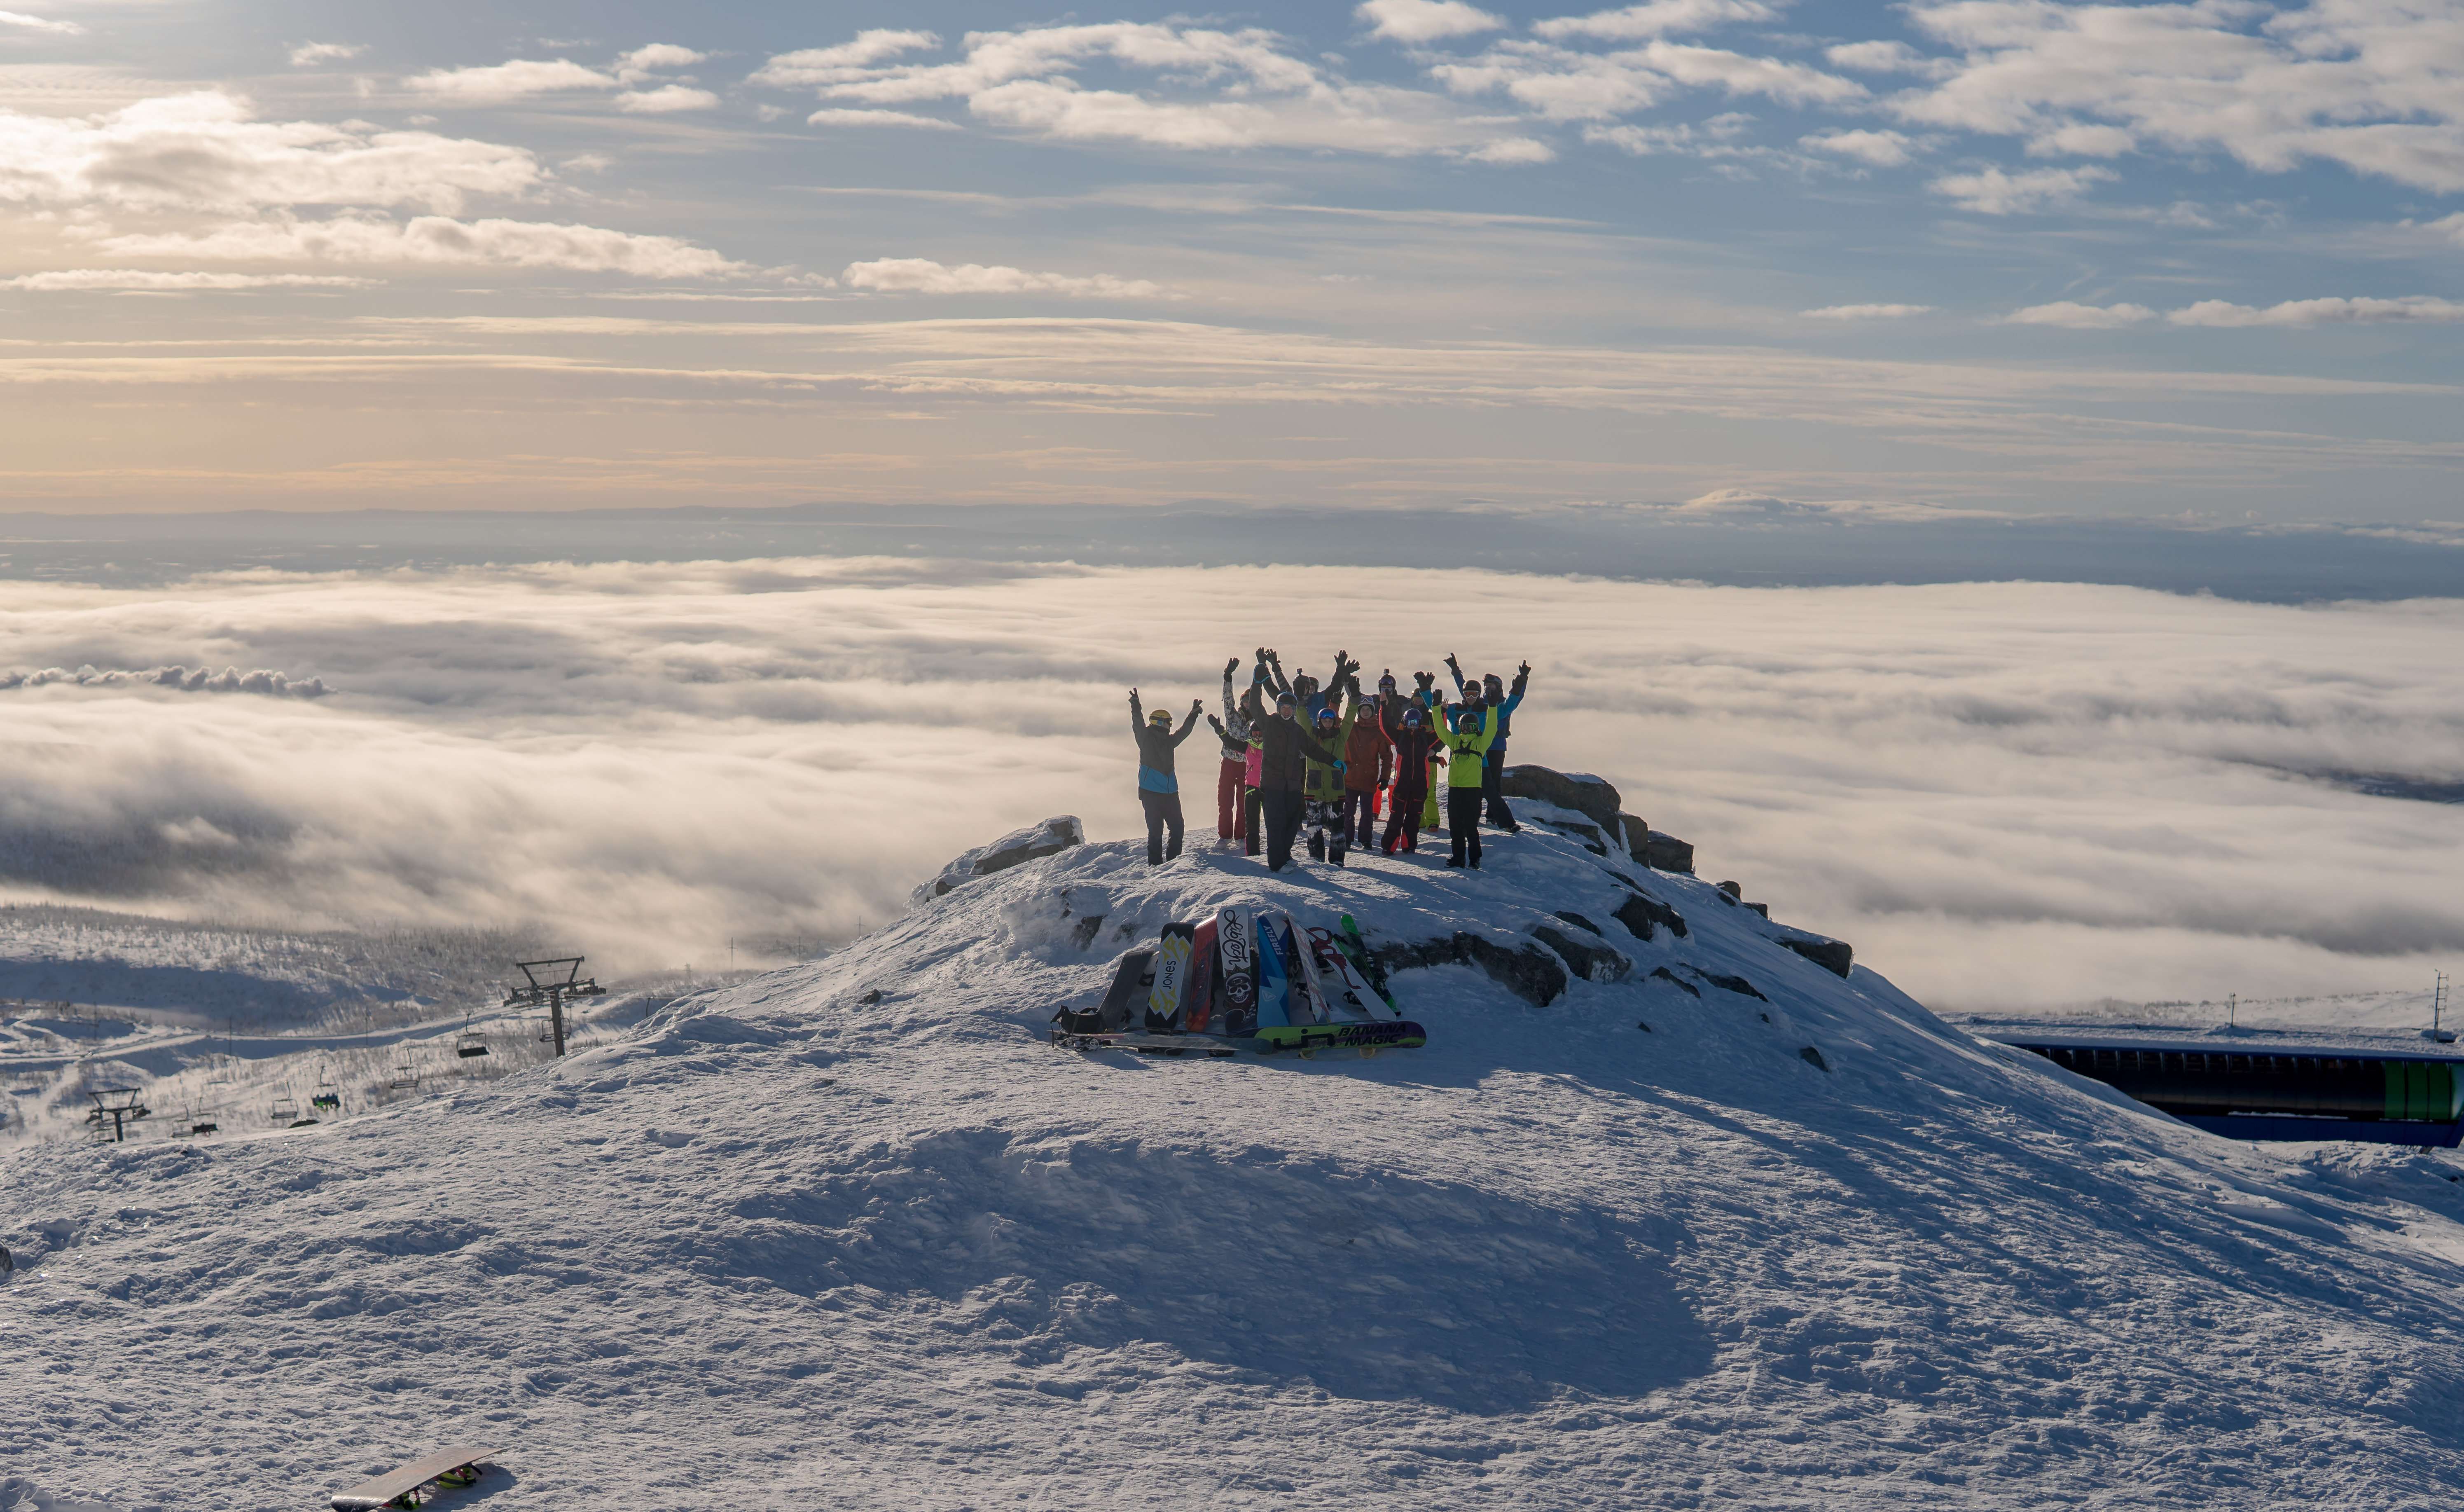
284, 1110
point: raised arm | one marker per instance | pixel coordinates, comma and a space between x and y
1197, 707
1137, 716
1455, 667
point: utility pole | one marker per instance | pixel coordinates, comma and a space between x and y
2437, 1003
2233, 1009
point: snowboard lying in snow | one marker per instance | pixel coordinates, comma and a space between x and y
401, 1487
1235, 982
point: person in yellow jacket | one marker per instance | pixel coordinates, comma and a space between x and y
1329, 837
1474, 731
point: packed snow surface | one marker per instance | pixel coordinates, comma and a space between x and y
852, 1235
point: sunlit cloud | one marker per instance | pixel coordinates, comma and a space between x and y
308, 54
1866, 312
1658, 19
208, 150
500, 82
2416, 308
76, 279
665, 100
1424, 20
1565, 84
2073, 316
922, 276
1214, 91
35, 23
438, 239
1883, 149
1992, 191
828, 117
2371, 86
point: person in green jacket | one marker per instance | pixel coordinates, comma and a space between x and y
1329, 837
1475, 729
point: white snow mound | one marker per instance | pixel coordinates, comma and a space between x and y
852, 1234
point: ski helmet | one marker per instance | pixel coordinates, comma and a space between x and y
1411, 719
1386, 682
1327, 716
1159, 717
1285, 701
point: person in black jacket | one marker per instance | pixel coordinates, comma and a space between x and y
1283, 776
1158, 789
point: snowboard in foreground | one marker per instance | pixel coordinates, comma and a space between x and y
400, 1488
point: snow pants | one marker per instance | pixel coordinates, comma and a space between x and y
1329, 828
1163, 811
1463, 823
1430, 818
1492, 779
1283, 808
1360, 818
1403, 820
1228, 801
1253, 815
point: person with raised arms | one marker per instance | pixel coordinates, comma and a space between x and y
1284, 751
1408, 731
1231, 784
1158, 788
1475, 728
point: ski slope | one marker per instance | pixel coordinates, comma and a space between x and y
849, 1235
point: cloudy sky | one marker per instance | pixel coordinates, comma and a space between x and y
2001, 794
1997, 254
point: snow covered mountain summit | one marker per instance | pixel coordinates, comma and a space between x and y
1693, 1219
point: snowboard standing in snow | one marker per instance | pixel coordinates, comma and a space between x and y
1197, 1003
1131, 980
1239, 943
1171, 977
1339, 978
1366, 961
456, 1466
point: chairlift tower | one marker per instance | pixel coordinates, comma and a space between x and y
120, 1105
548, 988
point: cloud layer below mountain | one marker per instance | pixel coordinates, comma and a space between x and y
2002, 794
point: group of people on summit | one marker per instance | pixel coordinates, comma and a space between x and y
1328, 756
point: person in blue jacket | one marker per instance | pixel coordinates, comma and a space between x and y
1158, 789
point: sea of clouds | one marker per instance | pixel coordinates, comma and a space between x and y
2003, 795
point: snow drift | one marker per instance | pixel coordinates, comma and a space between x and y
1667, 1214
